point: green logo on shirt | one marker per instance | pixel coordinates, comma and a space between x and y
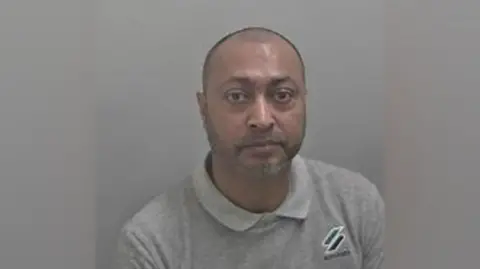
333, 241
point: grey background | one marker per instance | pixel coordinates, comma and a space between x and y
433, 134
97, 114
47, 139
150, 54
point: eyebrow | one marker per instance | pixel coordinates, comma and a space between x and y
244, 80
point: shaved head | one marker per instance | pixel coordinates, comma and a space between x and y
249, 34
253, 102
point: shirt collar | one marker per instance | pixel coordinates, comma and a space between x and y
296, 205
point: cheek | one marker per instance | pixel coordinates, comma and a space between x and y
229, 127
293, 125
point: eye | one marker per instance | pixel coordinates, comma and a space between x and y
283, 95
236, 96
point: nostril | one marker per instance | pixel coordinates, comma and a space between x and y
262, 126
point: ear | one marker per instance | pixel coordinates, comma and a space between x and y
202, 104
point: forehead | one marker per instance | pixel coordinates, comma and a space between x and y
257, 60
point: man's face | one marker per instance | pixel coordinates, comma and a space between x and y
254, 106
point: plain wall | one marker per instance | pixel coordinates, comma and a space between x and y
47, 143
148, 58
433, 143
138, 131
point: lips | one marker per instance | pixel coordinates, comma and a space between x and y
262, 145
262, 148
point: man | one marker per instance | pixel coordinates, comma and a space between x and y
253, 202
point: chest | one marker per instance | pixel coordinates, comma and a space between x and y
286, 244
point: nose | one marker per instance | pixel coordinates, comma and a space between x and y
260, 117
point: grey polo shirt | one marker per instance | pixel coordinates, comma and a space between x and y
331, 218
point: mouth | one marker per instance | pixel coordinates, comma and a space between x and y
263, 145
262, 149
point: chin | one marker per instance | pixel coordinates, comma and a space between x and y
266, 170
272, 166
273, 159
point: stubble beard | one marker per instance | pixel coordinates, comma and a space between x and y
231, 156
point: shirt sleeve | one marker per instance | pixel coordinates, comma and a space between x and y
132, 252
373, 232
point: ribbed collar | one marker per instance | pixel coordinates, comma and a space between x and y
296, 205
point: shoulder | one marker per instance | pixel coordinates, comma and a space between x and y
350, 188
159, 222
164, 207
152, 237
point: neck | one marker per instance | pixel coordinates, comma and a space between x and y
256, 195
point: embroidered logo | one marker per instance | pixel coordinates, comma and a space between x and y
332, 243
